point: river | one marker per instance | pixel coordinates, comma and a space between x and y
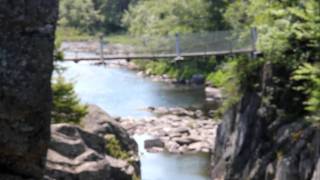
121, 92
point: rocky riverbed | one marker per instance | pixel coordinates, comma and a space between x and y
174, 130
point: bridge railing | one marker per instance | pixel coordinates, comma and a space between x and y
176, 46
180, 44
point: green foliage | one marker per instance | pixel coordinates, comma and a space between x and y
289, 36
227, 78
113, 148
112, 12
216, 10
158, 67
166, 17
66, 105
178, 70
122, 39
71, 34
135, 177
79, 14
218, 78
93, 16
309, 77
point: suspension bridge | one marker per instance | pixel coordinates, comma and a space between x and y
176, 47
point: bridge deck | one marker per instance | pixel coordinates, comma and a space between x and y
160, 56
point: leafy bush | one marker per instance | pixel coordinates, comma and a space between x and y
157, 67
218, 78
114, 149
66, 105
309, 77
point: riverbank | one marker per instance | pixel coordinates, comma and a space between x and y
214, 96
174, 130
120, 92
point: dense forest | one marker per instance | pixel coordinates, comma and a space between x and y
289, 36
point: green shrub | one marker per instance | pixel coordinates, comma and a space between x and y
158, 67
309, 77
217, 79
114, 149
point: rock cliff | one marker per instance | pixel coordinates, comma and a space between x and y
261, 141
26, 56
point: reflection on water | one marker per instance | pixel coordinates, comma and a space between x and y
122, 93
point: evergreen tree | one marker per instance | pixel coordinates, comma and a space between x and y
66, 104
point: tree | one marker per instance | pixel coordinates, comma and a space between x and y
216, 10
166, 17
92, 16
66, 104
112, 12
80, 14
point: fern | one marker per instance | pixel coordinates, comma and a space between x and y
309, 77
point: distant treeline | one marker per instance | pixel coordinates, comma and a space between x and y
142, 16
93, 16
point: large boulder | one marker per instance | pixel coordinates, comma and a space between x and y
76, 154
97, 121
26, 56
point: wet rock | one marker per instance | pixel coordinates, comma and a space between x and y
155, 150
152, 143
186, 140
198, 79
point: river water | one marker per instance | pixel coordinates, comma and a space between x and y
121, 92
